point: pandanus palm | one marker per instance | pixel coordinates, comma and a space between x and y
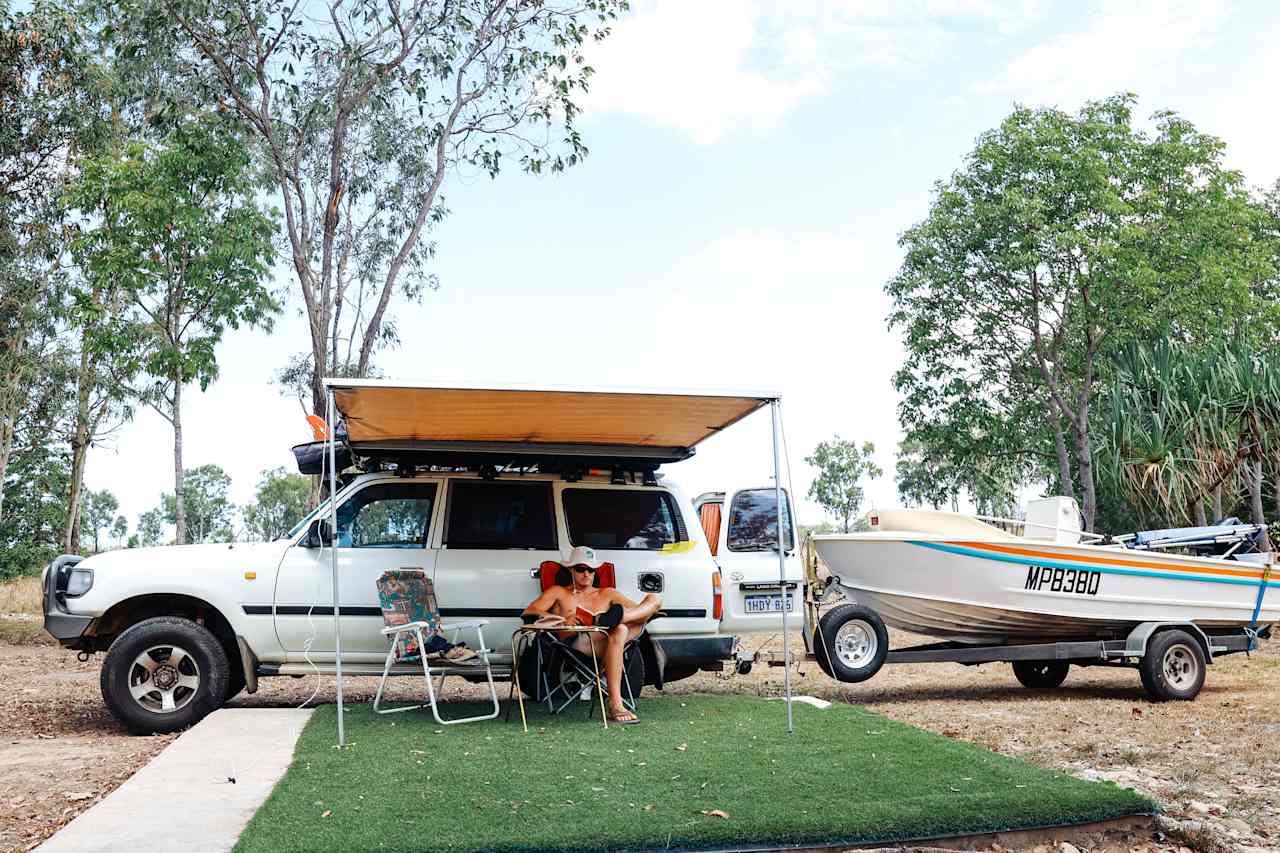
1185, 420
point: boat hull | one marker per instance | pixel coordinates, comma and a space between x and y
1015, 590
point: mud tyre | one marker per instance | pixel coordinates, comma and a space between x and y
850, 643
164, 674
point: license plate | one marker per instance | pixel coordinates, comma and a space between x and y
766, 603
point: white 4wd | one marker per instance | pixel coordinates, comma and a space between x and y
185, 628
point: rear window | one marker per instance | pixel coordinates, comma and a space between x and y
753, 521
625, 519
500, 515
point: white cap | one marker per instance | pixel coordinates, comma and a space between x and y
582, 556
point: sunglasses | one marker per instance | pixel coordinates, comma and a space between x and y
584, 569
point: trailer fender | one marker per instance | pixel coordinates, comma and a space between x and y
1135, 645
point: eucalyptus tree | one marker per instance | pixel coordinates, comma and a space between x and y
49, 112
841, 465
1059, 240
178, 252
359, 110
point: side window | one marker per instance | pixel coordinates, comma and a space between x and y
628, 519
753, 521
500, 515
388, 515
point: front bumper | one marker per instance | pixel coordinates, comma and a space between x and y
67, 628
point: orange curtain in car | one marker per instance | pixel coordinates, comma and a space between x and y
709, 516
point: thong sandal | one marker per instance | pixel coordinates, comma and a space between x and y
617, 718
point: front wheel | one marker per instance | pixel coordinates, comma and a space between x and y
164, 674
850, 643
1173, 667
1041, 674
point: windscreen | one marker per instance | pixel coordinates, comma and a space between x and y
753, 521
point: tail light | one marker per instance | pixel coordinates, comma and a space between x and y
717, 597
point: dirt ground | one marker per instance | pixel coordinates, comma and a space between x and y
1213, 764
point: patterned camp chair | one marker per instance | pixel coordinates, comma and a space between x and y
412, 616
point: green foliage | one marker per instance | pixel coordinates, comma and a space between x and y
280, 503
120, 529
99, 509
210, 513
31, 529
150, 528
841, 466
359, 114
1181, 420
1044, 256
181, 244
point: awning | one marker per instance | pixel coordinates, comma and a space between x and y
385, 413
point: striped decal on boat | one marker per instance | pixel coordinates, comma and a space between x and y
1106, 565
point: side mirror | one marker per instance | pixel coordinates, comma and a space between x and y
320, 534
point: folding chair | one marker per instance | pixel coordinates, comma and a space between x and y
409, 609
557, 673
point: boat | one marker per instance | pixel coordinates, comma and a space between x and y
972, 581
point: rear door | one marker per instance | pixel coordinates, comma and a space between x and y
748, 558
495, 534
644, 532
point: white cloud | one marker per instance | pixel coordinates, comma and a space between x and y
715, 67
799, 313
1135, 45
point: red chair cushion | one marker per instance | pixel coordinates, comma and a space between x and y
551, 573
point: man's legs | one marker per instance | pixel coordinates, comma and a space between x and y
634, 617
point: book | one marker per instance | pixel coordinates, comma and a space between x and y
585, 617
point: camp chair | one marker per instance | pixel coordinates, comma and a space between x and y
555, 673
409, 609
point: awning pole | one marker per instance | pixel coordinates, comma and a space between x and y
782, 563
333, 554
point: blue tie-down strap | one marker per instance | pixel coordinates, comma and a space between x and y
1252, 630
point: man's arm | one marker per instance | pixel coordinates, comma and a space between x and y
544, 604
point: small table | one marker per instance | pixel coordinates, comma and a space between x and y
526, 633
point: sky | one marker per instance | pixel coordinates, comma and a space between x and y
752, 165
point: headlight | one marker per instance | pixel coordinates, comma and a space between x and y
79, 582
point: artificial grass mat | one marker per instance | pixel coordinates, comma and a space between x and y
846, 775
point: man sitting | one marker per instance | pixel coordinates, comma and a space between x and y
624, 618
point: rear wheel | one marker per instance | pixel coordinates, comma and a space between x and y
1173, 667
164, 674
850, 643
1041, 674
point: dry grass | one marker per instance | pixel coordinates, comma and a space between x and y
21, 596
20, 612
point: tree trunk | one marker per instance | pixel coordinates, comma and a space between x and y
179, 500
1256, 512
1197, 512
1217, 503
79, 452
6, 448
1065, 487
1084, 467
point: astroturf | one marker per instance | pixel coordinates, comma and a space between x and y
846, 775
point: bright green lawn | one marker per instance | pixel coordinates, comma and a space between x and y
846, 775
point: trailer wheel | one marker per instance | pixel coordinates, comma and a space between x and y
850, 643
1173, 667
1041, 674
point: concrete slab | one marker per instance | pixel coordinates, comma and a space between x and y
184, 799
